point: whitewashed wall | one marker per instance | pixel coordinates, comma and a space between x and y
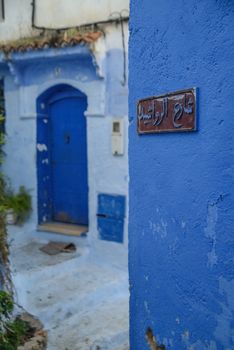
17, 23
61, 13
55, 14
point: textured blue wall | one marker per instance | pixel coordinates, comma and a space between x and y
181, 227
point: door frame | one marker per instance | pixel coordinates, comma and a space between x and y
44, 191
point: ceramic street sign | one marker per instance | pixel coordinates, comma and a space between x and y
172, 112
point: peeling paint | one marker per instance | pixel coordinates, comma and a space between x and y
183, 224
82, 77
146, 307
57, 71
159, 228
185, 336
225, 320
42, 147
210, 232
198, 345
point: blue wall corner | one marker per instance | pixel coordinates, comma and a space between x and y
181, 217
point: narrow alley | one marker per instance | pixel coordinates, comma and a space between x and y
81, 298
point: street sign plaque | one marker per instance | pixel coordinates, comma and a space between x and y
172, 112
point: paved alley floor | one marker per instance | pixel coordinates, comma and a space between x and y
81, 297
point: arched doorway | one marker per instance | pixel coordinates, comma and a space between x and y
62, 156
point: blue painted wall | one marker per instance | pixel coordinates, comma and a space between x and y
181, 227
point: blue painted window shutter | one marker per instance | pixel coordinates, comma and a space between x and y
111, 214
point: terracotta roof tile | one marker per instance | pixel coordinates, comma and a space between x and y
67, 38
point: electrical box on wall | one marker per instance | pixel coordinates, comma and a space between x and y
118, 137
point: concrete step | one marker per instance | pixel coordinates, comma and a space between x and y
65, 229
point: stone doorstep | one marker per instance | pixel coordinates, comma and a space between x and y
64, 229
39, 341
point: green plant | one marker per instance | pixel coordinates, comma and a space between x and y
15, 335
6, 308
12, 333
2, 180
6, 304
20, 203
3, 247
3, 240
2, 137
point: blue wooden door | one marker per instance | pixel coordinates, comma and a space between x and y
68, 153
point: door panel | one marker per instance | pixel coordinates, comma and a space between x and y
68, 150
